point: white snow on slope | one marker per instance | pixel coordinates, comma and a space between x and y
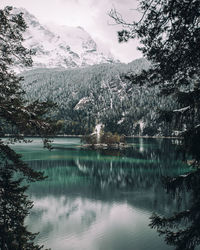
61, 46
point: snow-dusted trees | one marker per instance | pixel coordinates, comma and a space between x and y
111, 97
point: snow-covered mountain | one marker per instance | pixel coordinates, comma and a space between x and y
61, 46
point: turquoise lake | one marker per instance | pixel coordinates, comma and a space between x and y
101, 200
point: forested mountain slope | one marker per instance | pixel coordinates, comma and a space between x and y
89, 87
100, 94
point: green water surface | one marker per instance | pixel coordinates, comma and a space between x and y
101, 200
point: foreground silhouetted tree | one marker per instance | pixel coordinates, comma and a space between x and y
182, 229
169, 32
14, 207
23, 117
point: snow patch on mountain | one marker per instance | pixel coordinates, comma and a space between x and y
61, 46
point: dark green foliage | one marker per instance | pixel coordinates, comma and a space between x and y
169, 35
169, 32
17, 113
182, 229
14, 207
7, 155
20, 117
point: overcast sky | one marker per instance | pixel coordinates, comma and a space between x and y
92, 15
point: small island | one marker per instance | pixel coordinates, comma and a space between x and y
100, 139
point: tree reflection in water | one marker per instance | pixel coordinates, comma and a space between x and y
181, 230
85, 186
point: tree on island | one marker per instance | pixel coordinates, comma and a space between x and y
23, 117
104, 140
169, 33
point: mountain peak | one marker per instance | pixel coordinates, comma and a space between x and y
61, 45
26, 14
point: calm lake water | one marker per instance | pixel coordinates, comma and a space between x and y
101, 200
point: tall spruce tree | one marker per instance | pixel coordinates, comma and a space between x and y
169, 32
23, 117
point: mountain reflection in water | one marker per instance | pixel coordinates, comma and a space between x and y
101, 200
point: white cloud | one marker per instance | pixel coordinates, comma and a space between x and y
92, 15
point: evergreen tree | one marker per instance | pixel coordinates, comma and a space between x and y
23, 117
182, 229
14, 207
169, 32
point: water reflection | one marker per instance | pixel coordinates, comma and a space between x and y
85, 224
182, 229
102, 200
